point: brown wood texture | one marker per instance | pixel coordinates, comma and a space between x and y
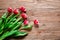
46, 11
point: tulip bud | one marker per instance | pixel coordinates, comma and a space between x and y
25, 22
24, 16
15, 11
9, 9
22, 9
36, 22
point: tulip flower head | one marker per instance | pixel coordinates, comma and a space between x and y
24, 16
9, 9
15, 11
25, 22
22, 9
36, 22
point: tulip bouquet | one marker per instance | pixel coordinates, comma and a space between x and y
10, 24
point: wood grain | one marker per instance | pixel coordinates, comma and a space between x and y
46, 11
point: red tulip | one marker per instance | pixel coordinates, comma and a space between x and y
9, 9
25, 22
15, 11
24, 16
22, 9
36, 21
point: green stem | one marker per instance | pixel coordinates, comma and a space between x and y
9, 17
20, 33
19, 24
12, 18
15, 22
1, 39
4, 15
7, 34
27, 26
4, 35
1, 21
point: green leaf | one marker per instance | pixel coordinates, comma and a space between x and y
27, 27
13, 20
7, 25
0, 21
19, 33
9, 17
1, 29
1, 32
4, 15
14, 23
18, 25
7, 34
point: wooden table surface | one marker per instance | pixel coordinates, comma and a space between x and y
46, 11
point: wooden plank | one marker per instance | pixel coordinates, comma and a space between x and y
46, 11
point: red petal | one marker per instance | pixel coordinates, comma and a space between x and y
23, 9
16, 11
24, 16
25, 22
36, 21
9, 9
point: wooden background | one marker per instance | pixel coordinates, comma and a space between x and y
46, 11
